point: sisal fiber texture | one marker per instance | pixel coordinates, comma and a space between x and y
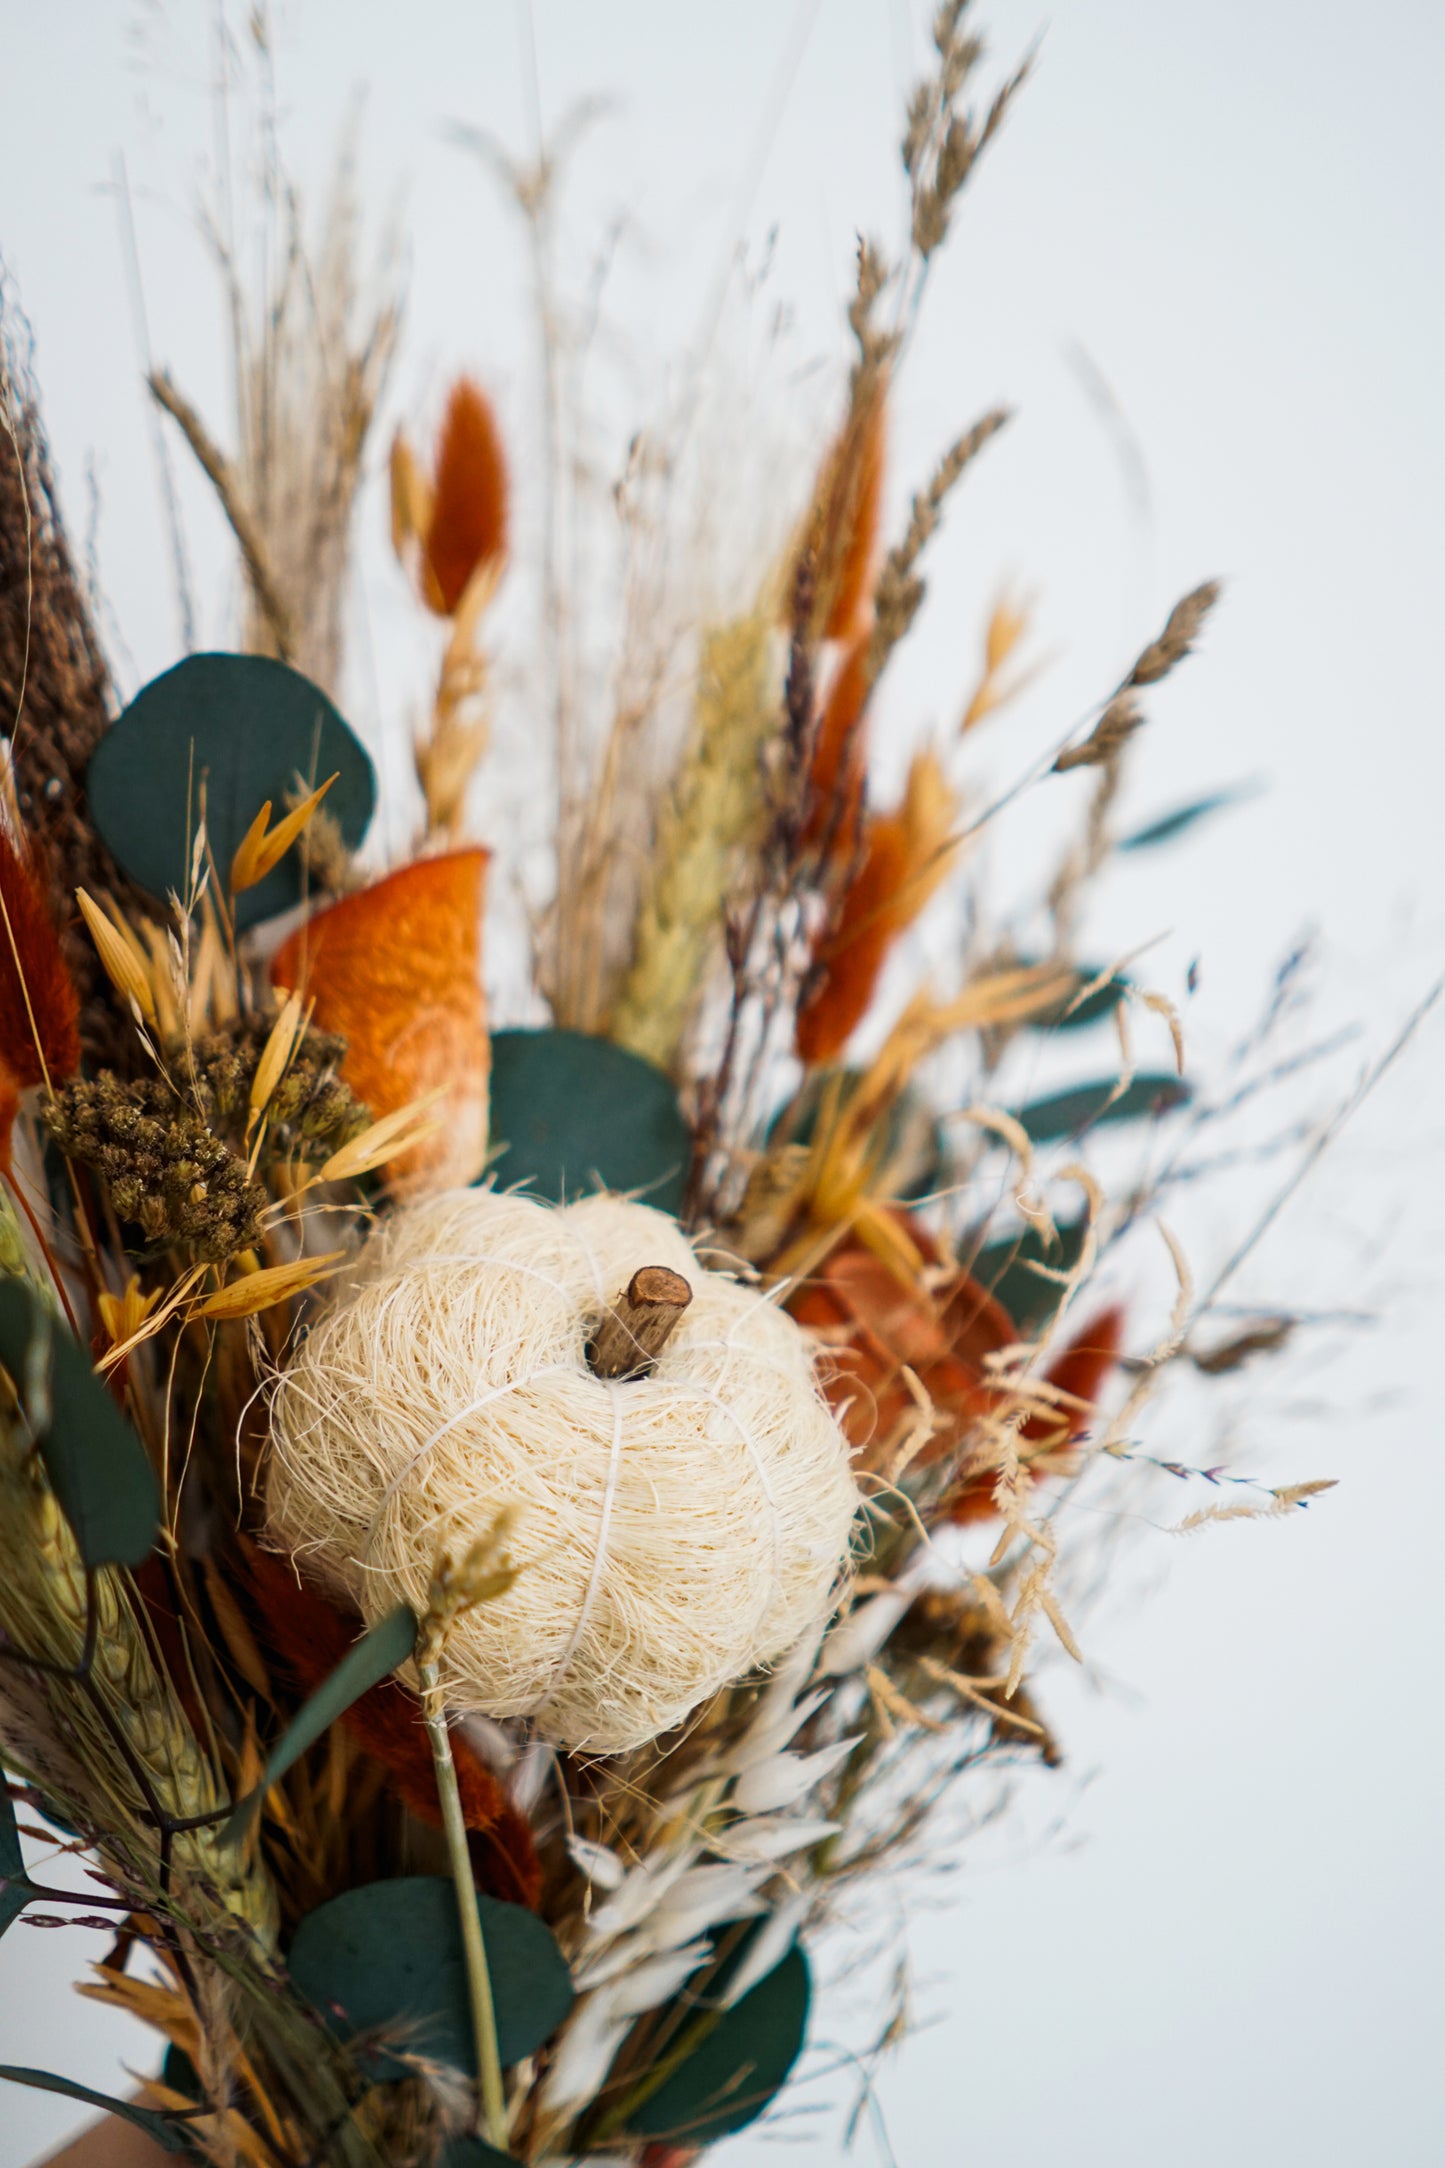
673, 1531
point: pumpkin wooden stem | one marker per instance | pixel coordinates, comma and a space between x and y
639, 1324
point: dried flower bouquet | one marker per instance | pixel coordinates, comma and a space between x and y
485, 1508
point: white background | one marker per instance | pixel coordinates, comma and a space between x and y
1230, 1950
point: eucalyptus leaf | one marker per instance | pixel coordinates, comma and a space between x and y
1169, 825
166, 2134
388, 1958
250, 730
15, 1891
572, 1113
741, 2062
1004, 1269
373, 1658
1084, 1106
96, 1464
911, 1144
1077, 1007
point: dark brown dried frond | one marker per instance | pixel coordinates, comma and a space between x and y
310, 1114
1123, 715
1178, 636
1120, 719
1266, 1336
876, 347
941, 143
54, 687
167, 1172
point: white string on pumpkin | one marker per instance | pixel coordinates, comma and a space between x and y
594, 1578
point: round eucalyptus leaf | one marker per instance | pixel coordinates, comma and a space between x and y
387, 1959
1088, 1106
96, 1464
740, 2064
247, 729
572, 1113
1005, 1270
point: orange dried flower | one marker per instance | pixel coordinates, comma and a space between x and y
39, 1009
842, 531
459, 519
876, 1325
835, 782
906, 854
396, 971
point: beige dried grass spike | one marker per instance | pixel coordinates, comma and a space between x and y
671, 1533
717, 805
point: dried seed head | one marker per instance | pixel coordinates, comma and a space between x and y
121, 960
1178, 636
260, 852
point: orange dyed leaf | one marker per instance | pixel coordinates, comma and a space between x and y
470, 497
1081, 1370
875, 1323
853, 958
396, 971
843, 529
835, 783
906, 855
39, 1032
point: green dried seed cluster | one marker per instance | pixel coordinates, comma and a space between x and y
309, 1115
166, 1171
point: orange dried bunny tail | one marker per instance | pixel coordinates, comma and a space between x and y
470, 499
39, 1008
851, 503
906, 854
835, 782
396, 971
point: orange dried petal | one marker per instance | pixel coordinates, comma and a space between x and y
853, 957
470, 500
842, 531
396, 971
39, 1011
835, 784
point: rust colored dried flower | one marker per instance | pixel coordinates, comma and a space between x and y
905, 855
396, 970
877, 1325
39, 1009
841, 537
455, 523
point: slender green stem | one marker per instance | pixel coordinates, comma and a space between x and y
492, 2119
